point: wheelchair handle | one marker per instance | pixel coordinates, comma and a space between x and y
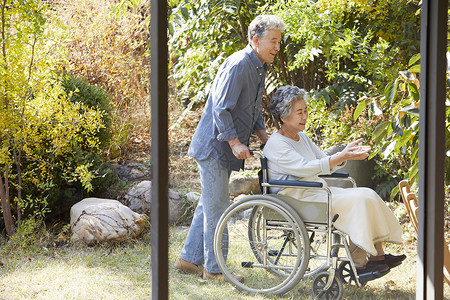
257, 153
335, 217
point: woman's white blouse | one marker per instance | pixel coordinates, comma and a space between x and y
295, 160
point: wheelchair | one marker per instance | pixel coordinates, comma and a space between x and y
275, 241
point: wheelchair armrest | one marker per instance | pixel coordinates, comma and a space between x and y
335, 175
296, 183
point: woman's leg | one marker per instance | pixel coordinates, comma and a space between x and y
365, 217
359, 256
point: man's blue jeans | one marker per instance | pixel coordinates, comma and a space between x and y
214, 200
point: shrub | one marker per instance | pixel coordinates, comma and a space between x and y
92, 96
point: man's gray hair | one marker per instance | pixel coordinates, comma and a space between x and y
281, 104
262, 24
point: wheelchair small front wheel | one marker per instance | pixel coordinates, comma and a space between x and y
334, 292
345, 273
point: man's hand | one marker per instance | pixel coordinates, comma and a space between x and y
239, 150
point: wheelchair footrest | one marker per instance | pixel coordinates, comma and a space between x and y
364, 278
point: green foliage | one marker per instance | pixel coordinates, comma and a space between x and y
28, 237
329, 126
63, 145
37, 208
93, 97
24, 78
342, 48
351, 45
396, 139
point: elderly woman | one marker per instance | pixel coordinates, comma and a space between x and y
362, 213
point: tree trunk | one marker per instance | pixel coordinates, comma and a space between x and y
6, 206
18, 160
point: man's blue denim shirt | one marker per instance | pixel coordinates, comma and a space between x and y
233, 109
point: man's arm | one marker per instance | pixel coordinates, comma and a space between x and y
262, 135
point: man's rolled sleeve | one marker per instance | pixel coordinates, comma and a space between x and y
225, 98
227, 135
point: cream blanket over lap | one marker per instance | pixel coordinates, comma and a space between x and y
363, 215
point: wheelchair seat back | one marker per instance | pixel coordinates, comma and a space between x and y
310, 211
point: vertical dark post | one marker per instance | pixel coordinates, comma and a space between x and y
159, 155
432, 149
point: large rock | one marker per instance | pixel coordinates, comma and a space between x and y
244, 183
139, 199
99, 220
133, 171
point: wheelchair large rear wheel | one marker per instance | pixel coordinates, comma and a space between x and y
318, 261
318, 258
273, 259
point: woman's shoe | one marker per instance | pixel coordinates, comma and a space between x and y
391, 260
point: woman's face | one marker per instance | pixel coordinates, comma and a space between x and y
296, 120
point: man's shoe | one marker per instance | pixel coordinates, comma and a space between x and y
371, 271
187, 267
219, 276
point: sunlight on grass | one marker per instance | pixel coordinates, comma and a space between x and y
78, 273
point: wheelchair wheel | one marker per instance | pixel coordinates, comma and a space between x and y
269, 249
335, 291
256, 228
318, 251
317, 238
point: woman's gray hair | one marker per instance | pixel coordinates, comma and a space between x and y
262, 24
281, 104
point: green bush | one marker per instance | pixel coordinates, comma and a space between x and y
64, 157
92, 96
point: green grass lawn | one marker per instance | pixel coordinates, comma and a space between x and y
398, 284
123, 271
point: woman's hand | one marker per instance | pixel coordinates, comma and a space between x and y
353, 151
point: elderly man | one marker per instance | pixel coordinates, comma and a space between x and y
220, 142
